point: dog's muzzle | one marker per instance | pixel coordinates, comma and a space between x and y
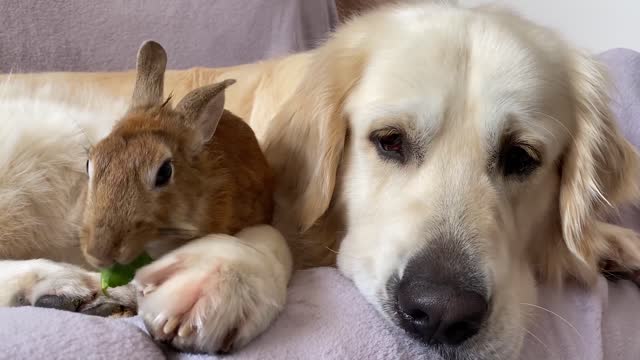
441, 296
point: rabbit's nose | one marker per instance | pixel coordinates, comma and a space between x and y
99, 248
98, 255
127, 253
98, 262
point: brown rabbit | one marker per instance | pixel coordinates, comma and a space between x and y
169, 175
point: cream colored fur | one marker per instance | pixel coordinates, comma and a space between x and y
45, 135
456, 79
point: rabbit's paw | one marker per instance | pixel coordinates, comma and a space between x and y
213, 295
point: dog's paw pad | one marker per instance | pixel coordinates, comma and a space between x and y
60, 302
106, 309
119, 302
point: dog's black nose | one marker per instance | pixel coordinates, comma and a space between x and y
440, 314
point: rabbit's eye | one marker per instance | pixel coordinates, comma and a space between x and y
164, 174
89, 168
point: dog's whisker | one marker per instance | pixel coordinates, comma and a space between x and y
177, 233
626, 267
493, 351
541, 126
620, 265
333, 251
544, 345
339, 253
563, 126
611, 274
567, 322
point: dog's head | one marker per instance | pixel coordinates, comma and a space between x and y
471, 151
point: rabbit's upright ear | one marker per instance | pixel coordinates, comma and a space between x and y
203, 108
150, 68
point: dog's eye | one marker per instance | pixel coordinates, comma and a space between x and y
389, 144
164, 174
519, 160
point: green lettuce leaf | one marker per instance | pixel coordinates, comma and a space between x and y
119, 274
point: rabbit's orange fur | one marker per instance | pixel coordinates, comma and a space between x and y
220, 183
231, 173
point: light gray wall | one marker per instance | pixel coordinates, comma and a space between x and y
595, 25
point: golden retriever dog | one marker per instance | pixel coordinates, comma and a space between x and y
443, 158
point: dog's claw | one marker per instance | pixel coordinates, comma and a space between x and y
171, 325
148, 289
185, 330
160, 320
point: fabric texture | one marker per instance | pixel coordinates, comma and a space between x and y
37, 333
624, 70
327, 318
81, 35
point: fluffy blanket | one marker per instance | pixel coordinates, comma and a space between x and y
327, 318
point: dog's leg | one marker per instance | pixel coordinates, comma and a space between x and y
216, 293
622, 253
45, 283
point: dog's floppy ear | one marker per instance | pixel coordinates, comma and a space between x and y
599, 173
305, 141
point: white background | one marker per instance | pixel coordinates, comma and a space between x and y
595, 25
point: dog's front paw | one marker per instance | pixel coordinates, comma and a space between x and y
44, 283
621, 260
213, 295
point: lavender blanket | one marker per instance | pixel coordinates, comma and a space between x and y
326, 318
